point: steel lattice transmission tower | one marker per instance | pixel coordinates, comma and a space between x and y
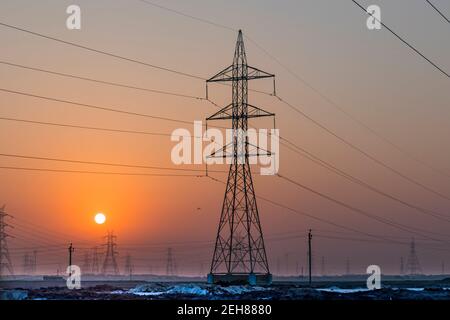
128, 270
239, 253
95, 261
86, 268
170, 265
110, 263
5, 260
412, 264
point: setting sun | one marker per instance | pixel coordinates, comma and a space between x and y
100, 218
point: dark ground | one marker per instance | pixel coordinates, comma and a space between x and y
194, 290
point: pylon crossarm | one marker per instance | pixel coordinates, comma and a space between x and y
254, 112
255, 73
224, 113
223, 75
223, 155
258, 149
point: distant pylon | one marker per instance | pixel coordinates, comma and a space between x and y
234, 258
86, 268
95, 261
443, 267
26, 264
128, 270
5, 260
412, 264
170, 265
34, 262
110, 262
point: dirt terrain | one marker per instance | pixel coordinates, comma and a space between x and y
126, 290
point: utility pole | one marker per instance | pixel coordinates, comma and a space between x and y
309, 256
5, 259
232, 258
71, 250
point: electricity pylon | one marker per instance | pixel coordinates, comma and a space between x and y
86, 263
128, 270
5, 259
412, 264
26, 264
95, 261
239, 253
110, 262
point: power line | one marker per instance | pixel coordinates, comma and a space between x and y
360, 211
92, 106
129, 131
100, 81
314, 217
297, 77
402, 40
188, 16
438, 11
65, 125
102, 163
308, 155
97, 172
353, 146
101, 51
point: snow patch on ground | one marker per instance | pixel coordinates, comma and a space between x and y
190, 289
341, 290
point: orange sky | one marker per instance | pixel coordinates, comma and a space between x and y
371, 75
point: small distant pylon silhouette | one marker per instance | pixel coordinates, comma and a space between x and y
413, 265
86, 263
110, 262
5, 259
33, 262
95, 261
347, 267
128, 270
170, 267
26, 264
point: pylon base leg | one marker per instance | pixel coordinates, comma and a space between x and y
232, 278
